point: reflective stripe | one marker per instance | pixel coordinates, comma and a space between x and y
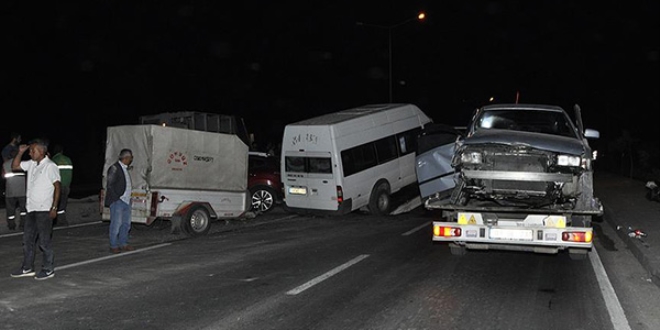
11, 175
65, 167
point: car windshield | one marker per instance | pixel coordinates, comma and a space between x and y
546, 122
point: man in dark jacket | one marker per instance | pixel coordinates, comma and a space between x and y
118, 199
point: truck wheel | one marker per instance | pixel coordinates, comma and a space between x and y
457, 250
198, 221
263, 199
379, 203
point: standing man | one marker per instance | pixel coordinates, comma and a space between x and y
65, 165
11, 146
14, 193
118, 199
43, 194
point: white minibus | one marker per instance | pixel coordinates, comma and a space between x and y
343, 161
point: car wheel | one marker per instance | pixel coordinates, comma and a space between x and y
380, 201
263, 199
198, 221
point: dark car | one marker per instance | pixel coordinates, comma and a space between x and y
527, 155
264, 181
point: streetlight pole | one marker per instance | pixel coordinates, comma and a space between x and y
421, 16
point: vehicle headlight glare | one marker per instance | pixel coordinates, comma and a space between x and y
566, 160
471, 158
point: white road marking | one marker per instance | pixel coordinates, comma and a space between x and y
327, 275
416, 229
20, 233
86, 262
617, 316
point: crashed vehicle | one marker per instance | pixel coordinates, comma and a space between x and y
524, 181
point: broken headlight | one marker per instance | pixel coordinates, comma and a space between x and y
471, 158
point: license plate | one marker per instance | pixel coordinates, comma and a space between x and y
297, 190
511, 234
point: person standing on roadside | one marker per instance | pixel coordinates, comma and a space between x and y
118, 198
65, 166
14, 193
43, 194
11, 146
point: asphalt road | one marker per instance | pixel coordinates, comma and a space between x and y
283, 271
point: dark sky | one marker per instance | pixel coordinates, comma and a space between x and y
72, 69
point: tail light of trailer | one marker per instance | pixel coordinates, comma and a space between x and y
446, 231
577, 236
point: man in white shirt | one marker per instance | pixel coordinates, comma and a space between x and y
43, 193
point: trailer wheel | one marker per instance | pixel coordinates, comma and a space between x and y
457, 250
379, 203
197, 221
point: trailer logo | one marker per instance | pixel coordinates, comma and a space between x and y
178, 160
206, 159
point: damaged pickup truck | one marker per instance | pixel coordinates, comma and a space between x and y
524, 182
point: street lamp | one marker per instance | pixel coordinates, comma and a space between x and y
420, 17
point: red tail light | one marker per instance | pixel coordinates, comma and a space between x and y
154, 204
577, 236
340, 195
446, 231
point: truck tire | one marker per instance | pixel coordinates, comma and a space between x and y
197, 221
263, 199
457, 250
380, 200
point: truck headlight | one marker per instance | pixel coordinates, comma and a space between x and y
568, 160
471, 158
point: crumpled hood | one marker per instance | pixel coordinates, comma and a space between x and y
547, 142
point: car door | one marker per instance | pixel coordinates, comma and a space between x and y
435, 149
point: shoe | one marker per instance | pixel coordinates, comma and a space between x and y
115, 250
23, 272
127, 248
43, 275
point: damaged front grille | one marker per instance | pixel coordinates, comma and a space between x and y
518, 175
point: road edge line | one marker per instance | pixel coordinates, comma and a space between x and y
617, 315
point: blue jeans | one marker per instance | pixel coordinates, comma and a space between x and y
38, 227
120, 223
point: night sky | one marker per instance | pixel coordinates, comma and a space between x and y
70, 70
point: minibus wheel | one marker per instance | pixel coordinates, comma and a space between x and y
380, 201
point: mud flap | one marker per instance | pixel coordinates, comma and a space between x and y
176, 225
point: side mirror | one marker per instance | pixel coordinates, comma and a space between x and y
591, 133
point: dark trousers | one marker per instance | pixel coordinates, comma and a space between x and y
15, 206
61, 207
38, 228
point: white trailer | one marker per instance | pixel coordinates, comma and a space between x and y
189, 177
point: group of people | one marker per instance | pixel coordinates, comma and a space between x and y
37, 190
15, 184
